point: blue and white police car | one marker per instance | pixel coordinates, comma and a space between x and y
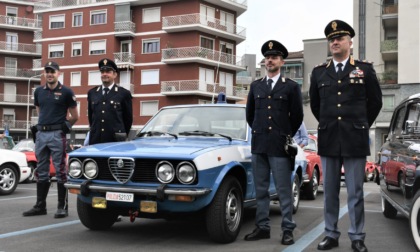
186, 159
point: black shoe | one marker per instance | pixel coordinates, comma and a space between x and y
61, 213
287, 238
257, 234
35, 211
358, 246
328, 243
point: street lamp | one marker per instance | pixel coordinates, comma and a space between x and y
27, 105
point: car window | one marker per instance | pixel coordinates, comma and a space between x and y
311, 145
397, 127
412, 125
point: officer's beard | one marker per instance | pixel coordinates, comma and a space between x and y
272, 69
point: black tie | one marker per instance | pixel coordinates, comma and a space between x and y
106, 91
269, 83
339, 71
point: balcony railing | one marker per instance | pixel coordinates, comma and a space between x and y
18, 124
199, 19
177, 54
16, 98
46, 4
389, 45
21, 22
124, 58
243, 79
37, 35
390, 9
18, 73
195, 86
36, 63
21, 48
125, 28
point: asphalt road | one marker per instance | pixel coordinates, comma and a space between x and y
44, 233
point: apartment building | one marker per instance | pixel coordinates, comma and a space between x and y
168, 52
17, 77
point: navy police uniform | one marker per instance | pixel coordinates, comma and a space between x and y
346, 105
109, 114
273, 114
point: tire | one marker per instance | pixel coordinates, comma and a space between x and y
32, 177
415, 220
401, 183
296, 193
310, 190
95, 219
9, 179
387, 209
224, 214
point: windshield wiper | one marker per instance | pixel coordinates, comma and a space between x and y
203, 133
156, 133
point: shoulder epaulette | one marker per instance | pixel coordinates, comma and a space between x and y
291, 79
321, 65
364, 61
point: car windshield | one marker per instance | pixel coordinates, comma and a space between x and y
211, 121
6, 143
25, 145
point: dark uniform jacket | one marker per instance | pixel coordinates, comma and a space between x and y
273, 115
109, 115
346, 108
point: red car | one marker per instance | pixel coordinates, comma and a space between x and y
312, 179
372, 171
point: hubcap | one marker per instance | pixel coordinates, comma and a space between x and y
7, 179
233, 211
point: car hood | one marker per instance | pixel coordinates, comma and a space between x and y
13, 156
157, 146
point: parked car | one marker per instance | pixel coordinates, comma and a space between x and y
13, 170
399, 160
27, 146
187, 159
372, 170
312, 178
6, 143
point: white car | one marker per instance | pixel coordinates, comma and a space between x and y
13, 170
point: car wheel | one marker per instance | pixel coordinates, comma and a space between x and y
224, 214
415, 220
310, 190
296, 193
387, 209
401, 183
8, 179
95, 219
32, 177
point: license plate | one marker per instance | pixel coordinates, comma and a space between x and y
148, 206
122, 197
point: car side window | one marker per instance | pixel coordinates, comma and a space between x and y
397, 126
412, 124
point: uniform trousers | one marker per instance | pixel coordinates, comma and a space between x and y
280, 168
354, 176
51, 144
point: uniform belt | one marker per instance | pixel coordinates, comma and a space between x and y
50, 127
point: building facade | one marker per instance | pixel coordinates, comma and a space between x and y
168, 52
17, 77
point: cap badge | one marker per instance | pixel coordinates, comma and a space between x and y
105, 61
270, 45
334, 26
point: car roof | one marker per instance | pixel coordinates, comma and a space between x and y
411, 97
206, 105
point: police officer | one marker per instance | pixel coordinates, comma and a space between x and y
345, 99
53, 102
110, 109
273, 111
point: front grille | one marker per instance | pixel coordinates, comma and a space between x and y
121, 168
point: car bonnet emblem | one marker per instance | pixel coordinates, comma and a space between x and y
120, 163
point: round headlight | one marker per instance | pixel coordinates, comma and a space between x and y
75, 168
186, 173
90, 169
165, 172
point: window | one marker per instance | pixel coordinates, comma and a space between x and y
57, 22
206, 75
207, 14
97, 47
11, 13
226, 79
61, 78
77, 19
94, 78
76, 49
151, 15
11, 41
207, 43
151, 46
56, 51
149, 77
10, 92
98, 17
149, 108
388, 102
75, 79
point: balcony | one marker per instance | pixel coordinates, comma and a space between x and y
389, 50
390, 15
205, 24
19, 125
41, 5
18, 74
240, 6
124, 59
124, 29
202, 55
21, 49
37, 64
195, 87
16, 99
37, 36
18, 23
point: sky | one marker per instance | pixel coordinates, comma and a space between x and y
289, 22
